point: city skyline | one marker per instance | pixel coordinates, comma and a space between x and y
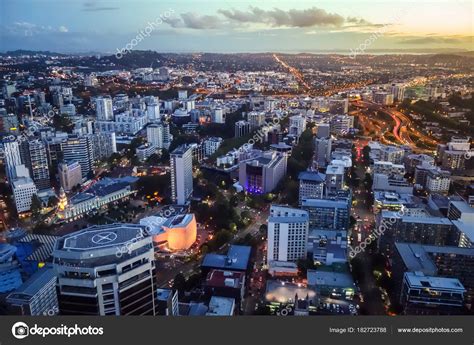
227, 27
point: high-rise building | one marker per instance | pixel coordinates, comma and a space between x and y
79, 149
181, 160
12, 158
103, 145
431, 295
322, 151
287, 234
328, 213
256, 119
106, 270
37, 296
211, 145
104, 109
340, 124
413, 228
311, 185
39, 163
323, 130
334, 177
297, 125
442, 261
155, 135
23, 190
70, 175
262, 174
242, 128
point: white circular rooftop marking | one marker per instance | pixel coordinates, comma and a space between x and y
104, 238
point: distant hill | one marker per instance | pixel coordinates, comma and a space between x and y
20, 52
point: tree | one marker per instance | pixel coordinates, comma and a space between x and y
179, 283
52, 201
36, 206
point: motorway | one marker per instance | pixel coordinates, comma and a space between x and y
403, 127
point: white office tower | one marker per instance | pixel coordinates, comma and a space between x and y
12, 158
153, 110
181, 161
154, 135
182, 95
106, 270
218, 115
287, 234
297, 125
23, 190
104, 109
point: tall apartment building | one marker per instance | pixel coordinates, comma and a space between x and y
39, 163
106, 270
79, 149
256, 119
104, 109
328, 213
419, 228
181, 160
12, 155
443, 261
287, 234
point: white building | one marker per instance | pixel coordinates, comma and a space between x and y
23, 191
287, 234
69, 175
297, 125
155, 135
181, 160
438, 181
104, 109
11, 151
211, 145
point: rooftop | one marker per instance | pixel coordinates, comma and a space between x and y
103, 236
221, 306
312, 176
419, 280
237, 258
330, 278
34, 284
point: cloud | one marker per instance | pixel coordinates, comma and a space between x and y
30, 29
92, 6
279, 18
275, 18
193, 21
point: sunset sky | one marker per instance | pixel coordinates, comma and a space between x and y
235, 26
